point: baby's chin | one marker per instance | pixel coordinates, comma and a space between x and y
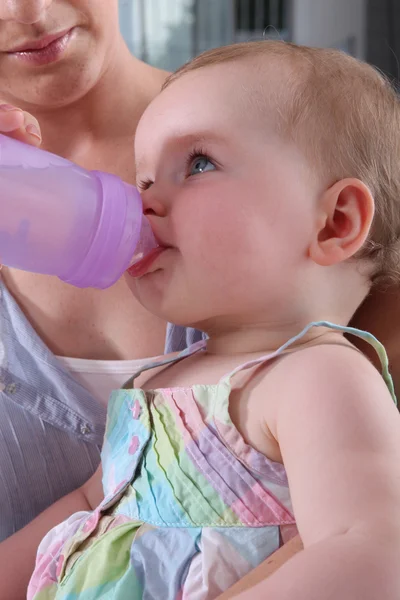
150, 293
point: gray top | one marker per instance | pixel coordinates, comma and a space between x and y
51, 428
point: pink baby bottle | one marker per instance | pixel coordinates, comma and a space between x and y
85, 227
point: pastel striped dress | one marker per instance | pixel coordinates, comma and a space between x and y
189, 507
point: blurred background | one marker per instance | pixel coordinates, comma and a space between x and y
167, 33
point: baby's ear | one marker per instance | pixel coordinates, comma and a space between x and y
344, 219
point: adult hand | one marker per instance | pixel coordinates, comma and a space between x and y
19, 124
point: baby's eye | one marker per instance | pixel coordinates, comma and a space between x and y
200, 164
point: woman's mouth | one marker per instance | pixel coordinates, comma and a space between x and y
44, 51
143, 266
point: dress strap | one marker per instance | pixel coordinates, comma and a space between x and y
160, 362
364, 335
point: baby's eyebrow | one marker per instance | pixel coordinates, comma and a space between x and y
181, 139
186, 140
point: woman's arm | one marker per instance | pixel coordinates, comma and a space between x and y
339, 435
18, 552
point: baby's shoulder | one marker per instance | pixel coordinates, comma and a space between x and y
329, 360
150, 370
332, 376
313, 368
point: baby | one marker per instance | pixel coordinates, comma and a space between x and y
270, 174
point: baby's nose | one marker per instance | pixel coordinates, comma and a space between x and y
152, 203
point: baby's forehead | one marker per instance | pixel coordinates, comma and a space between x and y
218, 95
238, 81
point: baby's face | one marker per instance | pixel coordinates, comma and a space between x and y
233, 204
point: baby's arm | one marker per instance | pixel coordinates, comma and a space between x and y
339, 435
18, 552
265, 569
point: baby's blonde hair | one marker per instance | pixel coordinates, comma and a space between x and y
345, 116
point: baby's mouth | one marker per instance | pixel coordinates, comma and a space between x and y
143, 266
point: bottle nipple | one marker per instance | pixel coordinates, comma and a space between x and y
147, 242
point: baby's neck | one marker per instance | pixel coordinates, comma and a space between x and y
265, 338
335, 297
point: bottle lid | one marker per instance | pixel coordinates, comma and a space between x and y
115, 238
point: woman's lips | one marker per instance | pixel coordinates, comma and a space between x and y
44, 51
143, 266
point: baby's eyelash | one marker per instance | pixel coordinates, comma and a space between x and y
195, 153
144, 184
